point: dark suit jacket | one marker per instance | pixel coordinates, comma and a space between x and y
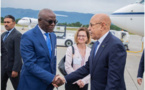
107, 68
141, 67
39, 69
4, 58
12, 44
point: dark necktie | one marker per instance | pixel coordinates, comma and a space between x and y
96, 45
6, 35
48, 41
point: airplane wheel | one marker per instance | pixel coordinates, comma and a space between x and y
68, 43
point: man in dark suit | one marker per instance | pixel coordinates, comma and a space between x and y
11, 39
38, 50
140, 70
107, 59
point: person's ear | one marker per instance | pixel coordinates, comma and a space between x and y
103, 25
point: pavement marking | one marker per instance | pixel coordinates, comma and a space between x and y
134, 54
132, 79
61, 47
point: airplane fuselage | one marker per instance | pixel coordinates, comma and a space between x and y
130, 18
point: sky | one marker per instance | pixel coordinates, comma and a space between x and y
82, 6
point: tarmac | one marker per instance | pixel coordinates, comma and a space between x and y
131, 68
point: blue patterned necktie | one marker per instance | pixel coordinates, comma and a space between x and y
48, 41
6, 35
96, 45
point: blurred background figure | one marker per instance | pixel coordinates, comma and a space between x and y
141, 70
11, 39
81, 54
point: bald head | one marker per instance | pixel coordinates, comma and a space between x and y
103, 18
47, 20
99, 25
45, 13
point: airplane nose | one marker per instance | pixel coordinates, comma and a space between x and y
118, 20
22, 22
19, 22
113, 18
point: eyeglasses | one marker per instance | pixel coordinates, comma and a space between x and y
94, 24
6, 22
50, 21
82, 36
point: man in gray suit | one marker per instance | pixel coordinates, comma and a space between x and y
3, 58
11, 39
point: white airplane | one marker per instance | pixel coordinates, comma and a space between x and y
26, 21
31, 22
130, 18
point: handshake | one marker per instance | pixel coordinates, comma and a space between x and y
58, 81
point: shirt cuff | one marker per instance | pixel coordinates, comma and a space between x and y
139, 77
84, 82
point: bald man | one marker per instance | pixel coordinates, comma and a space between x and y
38, 50
107, 59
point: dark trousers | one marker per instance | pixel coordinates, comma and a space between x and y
75, 87
5, 78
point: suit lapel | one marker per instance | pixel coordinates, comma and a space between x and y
91, 57
100, 51
10, 35
41, 39
3, 35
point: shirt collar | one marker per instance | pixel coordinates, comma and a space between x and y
102, 38
10, 31
42, 31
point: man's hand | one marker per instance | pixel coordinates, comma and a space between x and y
80, 83
14, 74
139, 80
58, 81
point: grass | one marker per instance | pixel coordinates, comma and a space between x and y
131, 33
72, 29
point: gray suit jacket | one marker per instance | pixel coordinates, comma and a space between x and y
12, 44
3, 58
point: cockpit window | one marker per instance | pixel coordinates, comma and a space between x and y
24, 19
142, 1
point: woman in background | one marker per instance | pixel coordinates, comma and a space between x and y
81, 55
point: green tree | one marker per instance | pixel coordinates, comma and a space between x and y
2, 20
76, 24
86, 26
62, 24
17, 20
114, 27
